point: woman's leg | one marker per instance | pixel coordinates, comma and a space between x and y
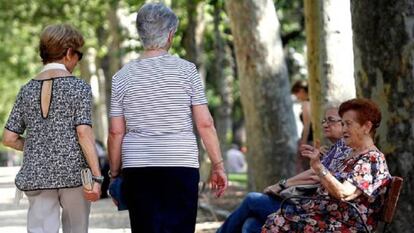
179, 208
141, 191
256, 205
75, 210
252, 225
44, 211
161, 199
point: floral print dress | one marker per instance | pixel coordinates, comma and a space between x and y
368, 172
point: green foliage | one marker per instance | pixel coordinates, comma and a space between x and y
21, 22
292, 21
240, 178
20, 25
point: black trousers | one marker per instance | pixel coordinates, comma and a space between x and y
161, 199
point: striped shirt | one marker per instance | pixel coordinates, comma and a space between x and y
155, 96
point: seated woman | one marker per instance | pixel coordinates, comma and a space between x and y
362, 179
250, 216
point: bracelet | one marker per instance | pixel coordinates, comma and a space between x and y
217, 163
111, 176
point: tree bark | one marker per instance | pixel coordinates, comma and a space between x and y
105, 68
193, 35
113, 63
99, 116
384, 61
330, 56
265, 91
224, 79
192, 42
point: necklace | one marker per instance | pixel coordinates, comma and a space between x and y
53, 66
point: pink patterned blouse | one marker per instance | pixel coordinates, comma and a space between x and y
368, 172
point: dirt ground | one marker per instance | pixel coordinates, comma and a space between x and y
215, 215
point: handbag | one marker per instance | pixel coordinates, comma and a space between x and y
116, 194
87, 181
299, 190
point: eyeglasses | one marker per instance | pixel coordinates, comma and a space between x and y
80, 54
330, 120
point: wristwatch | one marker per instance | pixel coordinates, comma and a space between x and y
282, 183
98, 179
323, 172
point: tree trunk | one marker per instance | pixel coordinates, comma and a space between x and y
193, 36
192, 42
224, 80
106, 67
384, 61
330, 56
265, 91
113, 63
99, 117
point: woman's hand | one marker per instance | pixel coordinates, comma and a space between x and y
312, 153
272, 190
94, 194
218, 179
323, 150
112, 179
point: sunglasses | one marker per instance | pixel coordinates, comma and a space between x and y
80, 54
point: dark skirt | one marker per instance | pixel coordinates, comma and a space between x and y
161, 199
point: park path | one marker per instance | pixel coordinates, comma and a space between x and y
104, 217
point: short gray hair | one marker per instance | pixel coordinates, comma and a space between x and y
154, 22
332, 105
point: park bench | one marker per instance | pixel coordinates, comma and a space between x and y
388, 210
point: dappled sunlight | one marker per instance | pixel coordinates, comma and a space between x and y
104, 217
247, 53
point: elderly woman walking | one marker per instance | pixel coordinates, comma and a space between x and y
54, 109
155, 100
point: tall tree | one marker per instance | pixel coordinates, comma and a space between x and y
85, 16
384, 61
223, 78
265, 90
193, 33
330, 56
110, 37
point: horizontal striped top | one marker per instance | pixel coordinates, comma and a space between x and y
155, 96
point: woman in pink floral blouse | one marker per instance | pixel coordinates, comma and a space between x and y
362, 179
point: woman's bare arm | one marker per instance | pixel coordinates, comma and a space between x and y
116, 135
339, 190
205, 126
87, 143
306, 122
13, 140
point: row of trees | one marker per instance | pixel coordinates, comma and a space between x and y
204, 37
383, 45
241, 48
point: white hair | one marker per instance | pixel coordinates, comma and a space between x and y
332, 105
154, 22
